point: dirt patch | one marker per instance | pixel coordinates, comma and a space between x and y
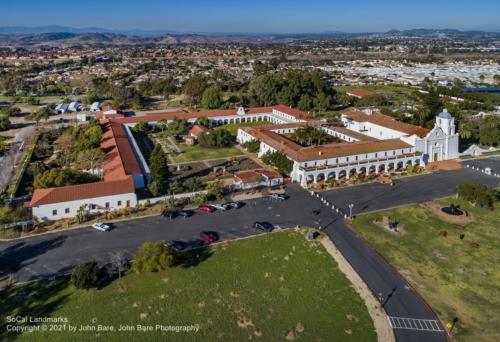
378, 314
244, 323
383, 224
439, 255
436, 210
445, 165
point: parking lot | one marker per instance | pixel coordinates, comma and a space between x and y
42, 256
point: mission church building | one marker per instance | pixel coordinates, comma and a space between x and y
371, 142
440, 143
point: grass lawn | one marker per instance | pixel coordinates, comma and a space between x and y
233, 128
457, 280
265, 288
196, 153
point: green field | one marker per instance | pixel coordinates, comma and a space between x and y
233, 128
197, 153
265, 288
457, 280
42, 99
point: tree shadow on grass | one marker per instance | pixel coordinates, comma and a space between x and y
36, 299
192, 257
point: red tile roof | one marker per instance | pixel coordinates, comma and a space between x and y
252, 176
248, 176
348, 149
298, 153
121, 159
291, 111
269, 174
196, 130
213, 113
352, 134
380, 119
82, 191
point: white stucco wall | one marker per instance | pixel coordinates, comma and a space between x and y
69, 209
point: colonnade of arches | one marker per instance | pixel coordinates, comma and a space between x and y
364, 169
245, 119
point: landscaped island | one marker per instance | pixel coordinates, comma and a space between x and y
451, 260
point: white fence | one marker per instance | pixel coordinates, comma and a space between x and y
177, 196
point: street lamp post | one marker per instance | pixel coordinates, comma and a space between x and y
389, 296
350, 210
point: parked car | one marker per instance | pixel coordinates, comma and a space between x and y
177, 246
101, 226
209, 236
206, 209
222, 207
279, 197
169, 214
185, 213
234, 205
263, 226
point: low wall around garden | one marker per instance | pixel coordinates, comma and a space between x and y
176, 196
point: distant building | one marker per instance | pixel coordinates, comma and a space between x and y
95, 106
194, 133
74, 107
61, 108
249, 179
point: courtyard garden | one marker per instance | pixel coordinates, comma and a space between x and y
448, 250
256, 288
233, 128
197, 153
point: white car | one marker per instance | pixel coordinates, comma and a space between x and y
222, 207
101, 226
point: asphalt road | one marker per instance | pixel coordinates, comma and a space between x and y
492, 163
41, 256
417, 189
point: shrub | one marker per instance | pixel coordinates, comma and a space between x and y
279, 160
86, 275
252, 146
216, 138
152, 257
477, 193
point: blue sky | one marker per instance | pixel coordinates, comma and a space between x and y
278, 16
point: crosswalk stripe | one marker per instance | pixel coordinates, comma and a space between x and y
414, 324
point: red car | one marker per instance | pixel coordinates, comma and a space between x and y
209, 236
206, 209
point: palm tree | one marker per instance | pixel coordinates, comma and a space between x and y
466, 130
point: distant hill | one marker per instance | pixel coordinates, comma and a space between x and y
61, 36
